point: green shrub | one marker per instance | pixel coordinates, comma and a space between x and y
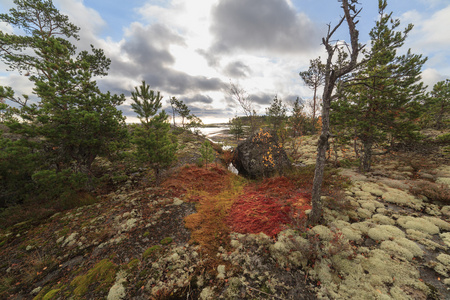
443, 138
52, 185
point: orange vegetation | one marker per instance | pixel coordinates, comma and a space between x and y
212, 180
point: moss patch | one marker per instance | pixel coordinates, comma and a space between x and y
102, 275
51, 294
151, 251
166, 241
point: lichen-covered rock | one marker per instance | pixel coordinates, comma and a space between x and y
385, 232
445, 238
324, 232
208, 293
446, 210
364, 213
349, 232
443, 225
395, 249
410, 246
286, 249
419, 224
399, 197
221, 271
364, 227
117, 291
70, 240
372, 188
261, 155
443, 180
382, 219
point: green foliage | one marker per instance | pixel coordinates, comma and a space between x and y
194, 123
77, 121
276, 113
314, 78
236, 127
180, 108
51, 185
146, 102
155, 144
299, 122
444, 138
380, 104
437, 106
207, 153
18, 162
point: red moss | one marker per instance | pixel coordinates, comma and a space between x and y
268, 207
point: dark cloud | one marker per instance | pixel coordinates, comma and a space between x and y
176, 82
212, 59
262, 99
148, 58
149, 45
262, 25
237, 69
197, 99
212, 112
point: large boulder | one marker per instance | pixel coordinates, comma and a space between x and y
261, 155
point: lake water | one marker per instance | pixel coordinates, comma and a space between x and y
213, 130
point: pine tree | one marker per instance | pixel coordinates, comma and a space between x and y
438, 105
380, 103
276, 113
314, 78
77, 121
155, 144
298, 119
236, 127
181, 109
207, 153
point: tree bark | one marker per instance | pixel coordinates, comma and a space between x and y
332, 74
366, 162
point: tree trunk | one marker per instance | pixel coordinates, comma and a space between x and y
314, 111
366, 161
316, 212
332, 74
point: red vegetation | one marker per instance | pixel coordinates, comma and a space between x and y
268, 207
213, 180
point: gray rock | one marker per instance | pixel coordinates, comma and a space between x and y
261, 155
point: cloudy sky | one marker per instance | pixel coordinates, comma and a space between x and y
194, 49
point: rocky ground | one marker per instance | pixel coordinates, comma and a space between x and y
390, 240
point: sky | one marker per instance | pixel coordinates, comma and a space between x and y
195, 49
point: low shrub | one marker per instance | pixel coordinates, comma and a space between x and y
434, 192
443, 138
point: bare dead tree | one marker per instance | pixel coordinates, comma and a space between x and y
333, 72
241, 96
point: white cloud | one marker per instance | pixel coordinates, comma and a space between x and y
430, 77
6, 28
430, 32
